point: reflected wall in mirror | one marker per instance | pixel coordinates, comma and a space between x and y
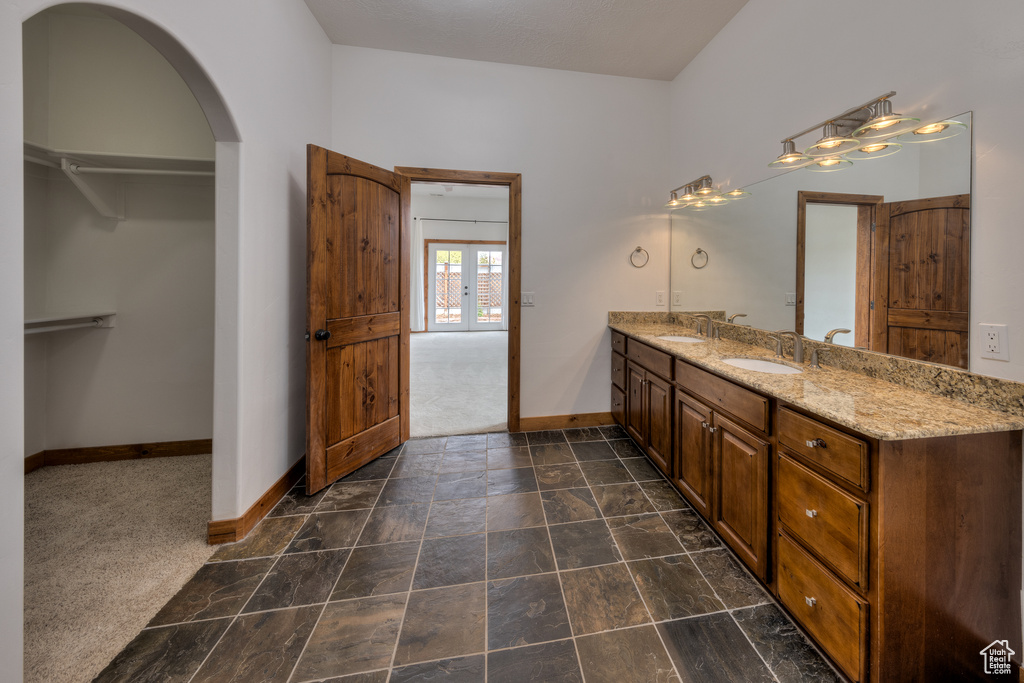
799, 252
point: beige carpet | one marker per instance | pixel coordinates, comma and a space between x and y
458, 383
106, 545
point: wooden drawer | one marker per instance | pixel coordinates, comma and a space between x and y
830, 522
618, 342
830, 612
721, 393
619, 371
618, 405
658, 362
840, 454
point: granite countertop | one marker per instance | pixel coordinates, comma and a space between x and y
879, 409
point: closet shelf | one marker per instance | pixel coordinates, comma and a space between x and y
68, 321
99, 176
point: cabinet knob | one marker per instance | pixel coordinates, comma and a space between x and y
322, 335
712, 429
704, 425
811, 513
816, 443
810, 601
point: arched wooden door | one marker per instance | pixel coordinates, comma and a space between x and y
357, 314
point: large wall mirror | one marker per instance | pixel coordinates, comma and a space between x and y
881, 249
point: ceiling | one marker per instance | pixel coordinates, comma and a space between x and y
639, 38
460, 190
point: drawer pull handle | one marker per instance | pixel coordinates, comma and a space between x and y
810, 601
811, 513
816, 443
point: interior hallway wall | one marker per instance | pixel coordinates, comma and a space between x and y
270, 63
940, 61
594, 159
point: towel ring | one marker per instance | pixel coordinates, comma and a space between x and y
695, 255
634, 257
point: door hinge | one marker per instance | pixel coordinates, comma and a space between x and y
872, 227
872, 305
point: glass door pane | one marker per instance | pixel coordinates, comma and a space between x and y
448, 288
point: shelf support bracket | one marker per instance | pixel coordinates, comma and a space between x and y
106, 194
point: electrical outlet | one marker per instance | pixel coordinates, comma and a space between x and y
995, 343
791, 298
659, 298
527, 299
677, 298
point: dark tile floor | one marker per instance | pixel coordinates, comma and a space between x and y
548, 556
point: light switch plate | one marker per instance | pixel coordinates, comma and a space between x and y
527, 299
791, 298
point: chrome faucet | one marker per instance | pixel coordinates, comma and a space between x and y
736, 315
703, 316
798, 344
832, 333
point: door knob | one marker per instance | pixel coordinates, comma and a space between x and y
322, 335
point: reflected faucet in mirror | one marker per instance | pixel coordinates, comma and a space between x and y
832, 333
736, 315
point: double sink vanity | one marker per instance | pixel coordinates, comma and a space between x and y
885, 519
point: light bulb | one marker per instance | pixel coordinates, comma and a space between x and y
931, 128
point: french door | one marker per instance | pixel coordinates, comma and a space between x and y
467, 287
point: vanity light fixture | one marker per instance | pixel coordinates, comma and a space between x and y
832, 142
883, 122
790, 158
939, 130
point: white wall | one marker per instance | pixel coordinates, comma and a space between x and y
108, 90
270, 63
593, 157
830, 271
149, 378
940, 61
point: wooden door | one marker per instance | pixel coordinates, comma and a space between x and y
357, 314
692, 467
658, 395
741, 492
635, 382
929, 279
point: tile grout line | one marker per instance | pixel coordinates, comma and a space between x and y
558, 577
235, 618
320, 616
643, 600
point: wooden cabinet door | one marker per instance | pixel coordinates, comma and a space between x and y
635, 383
741, 492
692, 454
357, 313
658, 394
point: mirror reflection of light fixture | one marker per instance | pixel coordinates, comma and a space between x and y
940, 130
829, 164
693, 192
875, 150
738, 193
832, 142
884, 123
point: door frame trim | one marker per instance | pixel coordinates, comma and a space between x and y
514, 183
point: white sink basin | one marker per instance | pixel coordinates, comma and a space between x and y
761, 365
678, 338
